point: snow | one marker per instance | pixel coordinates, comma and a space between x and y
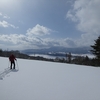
53, 57
84, 55
40, 80
43, 55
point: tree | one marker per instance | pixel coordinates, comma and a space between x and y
69, 57
0, 50
96, 48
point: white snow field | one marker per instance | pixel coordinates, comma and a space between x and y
40, 80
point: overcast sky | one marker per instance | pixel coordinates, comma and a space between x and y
30, 24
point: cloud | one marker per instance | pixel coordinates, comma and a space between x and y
6, 24
69, 42
19, 41
86, 15
0, 14
6, 17
30, 40
38, 30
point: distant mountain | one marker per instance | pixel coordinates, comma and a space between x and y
78, 50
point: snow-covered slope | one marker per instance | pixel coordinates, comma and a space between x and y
39, 80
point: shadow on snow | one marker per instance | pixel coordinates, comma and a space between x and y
6, 71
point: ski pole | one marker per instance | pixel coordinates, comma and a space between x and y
8, 64
17, 64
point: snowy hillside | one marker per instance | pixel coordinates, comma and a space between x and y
39, 80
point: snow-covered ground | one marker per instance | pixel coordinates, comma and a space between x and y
40, 80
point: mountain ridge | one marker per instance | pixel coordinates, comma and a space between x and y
77, 50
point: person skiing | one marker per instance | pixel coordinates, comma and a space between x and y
12, 61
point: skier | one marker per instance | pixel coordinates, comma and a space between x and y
12, 61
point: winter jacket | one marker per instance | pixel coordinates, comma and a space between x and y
12, 58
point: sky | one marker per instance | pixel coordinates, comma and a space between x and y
36, 24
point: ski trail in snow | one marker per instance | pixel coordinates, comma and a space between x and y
4, 73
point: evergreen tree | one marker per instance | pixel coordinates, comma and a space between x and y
96, 48
0, 50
